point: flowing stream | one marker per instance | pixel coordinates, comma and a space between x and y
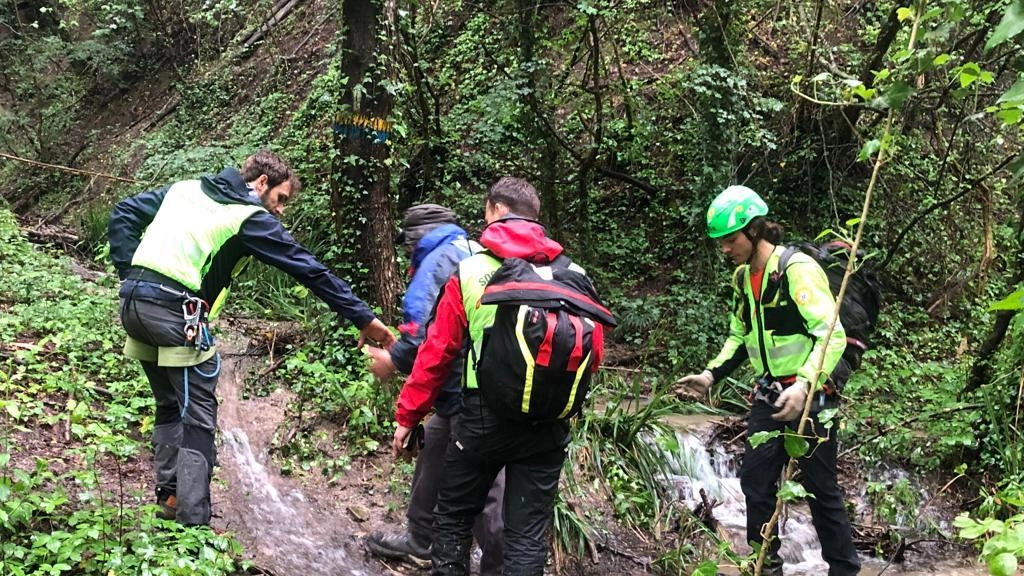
286, 534
697, 466
289, 535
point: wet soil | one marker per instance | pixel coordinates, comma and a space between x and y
287, 527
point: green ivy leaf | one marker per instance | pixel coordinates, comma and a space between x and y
13, 409
1004, 564
760, 438
870, 148
932, 14
969, 72
863, 92
796, 446
827, 416
897, 94
1011, 25
1014, 94
791, 491
1009, 116
705, 568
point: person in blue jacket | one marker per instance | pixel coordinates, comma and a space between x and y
437, 245
176, 250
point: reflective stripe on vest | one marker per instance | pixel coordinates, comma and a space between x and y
187, 232
474, 273
786, 350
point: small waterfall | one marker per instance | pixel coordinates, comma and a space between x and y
699, 466
284, 527
703, 464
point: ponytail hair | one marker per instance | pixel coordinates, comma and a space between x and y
761, 228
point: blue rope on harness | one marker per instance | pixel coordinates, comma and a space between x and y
216, 371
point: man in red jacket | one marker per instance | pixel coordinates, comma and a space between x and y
483, 441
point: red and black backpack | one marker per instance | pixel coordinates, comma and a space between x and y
547, 339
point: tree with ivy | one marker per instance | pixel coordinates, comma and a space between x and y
361, 177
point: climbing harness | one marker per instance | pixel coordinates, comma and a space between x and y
767, 390
196, 311
196, 314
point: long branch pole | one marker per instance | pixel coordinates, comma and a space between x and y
851, 266
68, 169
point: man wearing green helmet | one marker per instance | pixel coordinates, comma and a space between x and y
782, 334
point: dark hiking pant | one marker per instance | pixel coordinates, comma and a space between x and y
480, 446
186, 408
426, 480
759, 478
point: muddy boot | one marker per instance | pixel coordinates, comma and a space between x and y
400, 546
193, 495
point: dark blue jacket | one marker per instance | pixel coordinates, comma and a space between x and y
434, 260
261, 236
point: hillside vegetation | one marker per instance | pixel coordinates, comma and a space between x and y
629, 116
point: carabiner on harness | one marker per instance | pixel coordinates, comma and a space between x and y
195, 312
767, 390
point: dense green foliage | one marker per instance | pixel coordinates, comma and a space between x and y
61, 368
629, 116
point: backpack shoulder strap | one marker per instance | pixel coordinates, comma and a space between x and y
786, 256
784, 261
778, 283
468, 245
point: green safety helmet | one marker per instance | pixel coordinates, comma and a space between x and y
733, 209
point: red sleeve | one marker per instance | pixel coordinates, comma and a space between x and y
443, 342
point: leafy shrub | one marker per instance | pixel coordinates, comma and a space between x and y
59, 364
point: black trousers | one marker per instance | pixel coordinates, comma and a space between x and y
759, 478
482, 443
426, 480
186, 407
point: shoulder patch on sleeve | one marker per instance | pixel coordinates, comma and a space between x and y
803, 296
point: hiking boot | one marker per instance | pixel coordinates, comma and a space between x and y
397, 547
168, 505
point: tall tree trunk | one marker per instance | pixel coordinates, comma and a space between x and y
844, 119
361, 189
981, 370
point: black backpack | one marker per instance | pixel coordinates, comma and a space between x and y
547, 338
862, 302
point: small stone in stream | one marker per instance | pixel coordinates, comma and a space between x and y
359, 513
